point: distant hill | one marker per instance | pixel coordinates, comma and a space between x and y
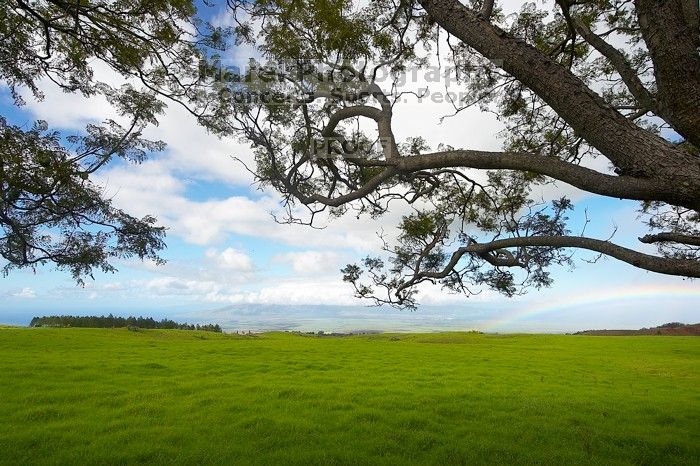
672, 328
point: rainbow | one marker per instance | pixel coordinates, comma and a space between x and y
592, 298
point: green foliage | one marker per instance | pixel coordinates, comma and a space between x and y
59, 39
174, 397
421, 226
50, 211
332, 29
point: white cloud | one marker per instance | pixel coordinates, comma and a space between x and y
152, 188
231, 259
175, 286
323, 286
284, 291
113, 286
24, 293
329, 291
73, 111
313, 262
193, 152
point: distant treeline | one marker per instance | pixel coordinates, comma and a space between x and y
671, 328
111, 321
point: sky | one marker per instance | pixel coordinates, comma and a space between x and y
229, 262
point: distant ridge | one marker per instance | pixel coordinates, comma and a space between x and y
672, 328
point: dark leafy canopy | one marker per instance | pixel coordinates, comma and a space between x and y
577, 80
561, 84
50, 211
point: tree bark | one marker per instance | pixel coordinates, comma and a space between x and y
634, 151
671, 237
670, 31
663, 265
623, 187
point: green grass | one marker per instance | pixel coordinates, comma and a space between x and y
102, 396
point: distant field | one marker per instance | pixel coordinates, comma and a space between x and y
84, 396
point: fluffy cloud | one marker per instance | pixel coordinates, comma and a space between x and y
153, 188
313, 262
231, 259
330, 291
290, 291
174, 286
72, 111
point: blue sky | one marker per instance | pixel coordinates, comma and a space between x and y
230, 263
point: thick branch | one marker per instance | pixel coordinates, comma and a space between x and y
381, 117
669, 28
633, 150
622, 187
670, 237
681, 267
575, 175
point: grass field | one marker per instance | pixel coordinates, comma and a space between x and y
103, 396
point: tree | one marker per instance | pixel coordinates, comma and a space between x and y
614, 79
50, 211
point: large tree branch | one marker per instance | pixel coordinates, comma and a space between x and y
671, 237
681, 267
627, 187
670, 31
575, 175
632, 150
623, 187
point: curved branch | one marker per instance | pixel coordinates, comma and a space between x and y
669, 29
581, 177
680, 267
633, 150
671, 237
350, 112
